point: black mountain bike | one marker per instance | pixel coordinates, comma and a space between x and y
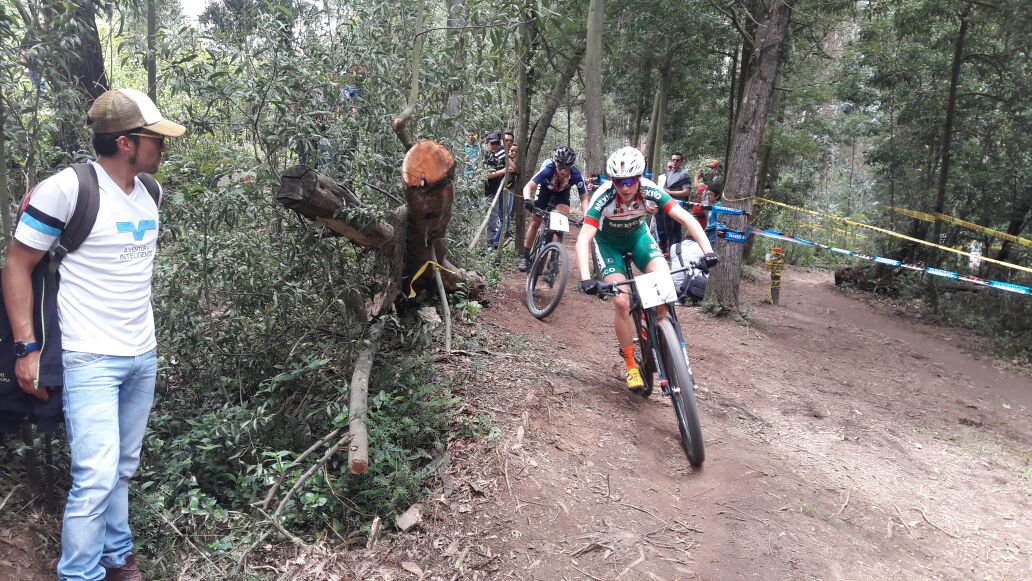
549, 266
661, 348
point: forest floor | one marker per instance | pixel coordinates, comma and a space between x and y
843, 441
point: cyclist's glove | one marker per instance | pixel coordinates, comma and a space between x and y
711, 259
589, 286
528, 205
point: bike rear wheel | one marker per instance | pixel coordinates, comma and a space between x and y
681, 386
546, 280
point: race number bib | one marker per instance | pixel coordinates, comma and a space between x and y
656, 288
559, 223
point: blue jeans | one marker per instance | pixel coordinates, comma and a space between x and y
107, 399
498, 224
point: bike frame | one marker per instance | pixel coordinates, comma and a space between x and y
651, 323
545, 234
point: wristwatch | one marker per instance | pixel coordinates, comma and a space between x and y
21, 348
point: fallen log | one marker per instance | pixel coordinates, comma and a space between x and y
358, 452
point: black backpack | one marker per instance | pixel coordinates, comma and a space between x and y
16, 405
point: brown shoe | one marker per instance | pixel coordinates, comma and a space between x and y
128, 572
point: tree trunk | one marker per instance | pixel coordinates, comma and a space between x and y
83, 68
594, 156
634, 133
523, 96
752, 116
650, 139
947, 141
662, 97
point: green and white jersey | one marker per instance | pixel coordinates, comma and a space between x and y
614, 218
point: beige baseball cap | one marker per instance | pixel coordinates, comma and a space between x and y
120, 110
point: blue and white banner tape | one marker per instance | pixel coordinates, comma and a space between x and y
722, 231
717, 210
949, 274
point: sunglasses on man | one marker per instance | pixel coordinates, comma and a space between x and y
160, 138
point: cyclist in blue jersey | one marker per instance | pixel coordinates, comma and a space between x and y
615, 221
552, 184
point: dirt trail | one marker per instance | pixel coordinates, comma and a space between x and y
842, 442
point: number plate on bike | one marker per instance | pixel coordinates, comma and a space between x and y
558, 223
656, 288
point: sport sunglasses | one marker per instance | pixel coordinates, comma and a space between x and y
626, 182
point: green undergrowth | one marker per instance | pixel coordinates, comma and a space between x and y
258, 335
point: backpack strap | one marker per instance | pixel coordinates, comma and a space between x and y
84, 216
152, 187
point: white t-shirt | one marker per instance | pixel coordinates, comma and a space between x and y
105, 292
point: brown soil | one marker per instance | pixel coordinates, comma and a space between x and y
842, 442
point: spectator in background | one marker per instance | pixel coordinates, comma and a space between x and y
713, 194
678, 185
508, 139
494, 163
503, 214
471, 151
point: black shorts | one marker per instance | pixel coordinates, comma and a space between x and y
547, 199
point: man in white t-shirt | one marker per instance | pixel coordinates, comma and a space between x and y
107, 326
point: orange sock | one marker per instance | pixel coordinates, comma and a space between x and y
628, 357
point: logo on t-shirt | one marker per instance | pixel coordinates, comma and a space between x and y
136, 231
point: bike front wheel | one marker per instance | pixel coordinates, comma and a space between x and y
681, 387
546, 280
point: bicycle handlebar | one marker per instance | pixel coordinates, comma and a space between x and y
612, 289
546, 214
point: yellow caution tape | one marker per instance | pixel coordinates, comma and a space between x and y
984, 230
419, 273
840, 230
898, 235
913, 214
962, 223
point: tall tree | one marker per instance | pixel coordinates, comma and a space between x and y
594, 155
757, 89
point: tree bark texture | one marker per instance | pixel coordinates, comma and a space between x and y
731, 100
757, 87
594, 156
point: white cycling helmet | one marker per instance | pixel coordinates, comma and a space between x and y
625, 162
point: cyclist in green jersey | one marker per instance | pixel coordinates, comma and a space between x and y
615, 220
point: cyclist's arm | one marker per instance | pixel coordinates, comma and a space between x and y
694, 228
529, 189
587, 234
